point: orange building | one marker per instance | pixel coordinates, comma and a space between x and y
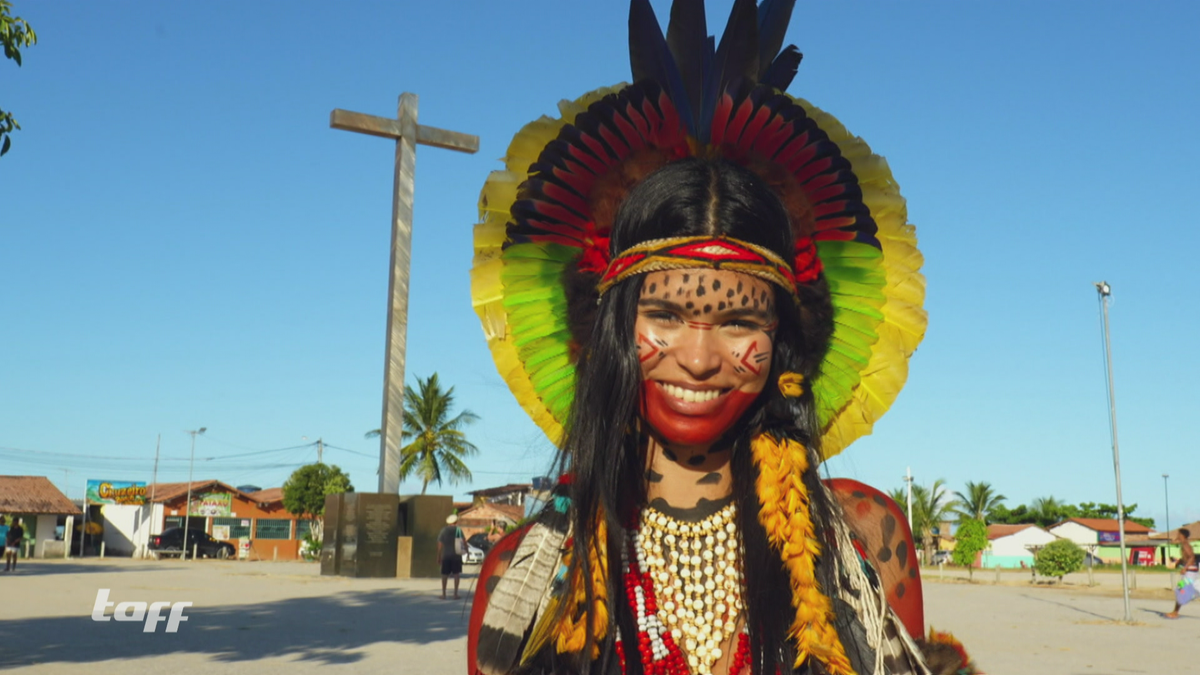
231, 515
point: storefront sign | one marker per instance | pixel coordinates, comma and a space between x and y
116, 492
1109, 537
215, 504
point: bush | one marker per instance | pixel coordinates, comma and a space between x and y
1059, 558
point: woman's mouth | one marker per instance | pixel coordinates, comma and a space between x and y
689, 395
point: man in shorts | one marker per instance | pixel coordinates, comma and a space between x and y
448, 552
1191, 573
12, 545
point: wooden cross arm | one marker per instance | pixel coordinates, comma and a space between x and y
390, 128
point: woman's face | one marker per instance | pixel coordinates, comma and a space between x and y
704, 339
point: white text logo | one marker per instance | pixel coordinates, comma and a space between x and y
139, 611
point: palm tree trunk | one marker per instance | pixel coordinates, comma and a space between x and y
423, 486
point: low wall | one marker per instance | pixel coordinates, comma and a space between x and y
273, 549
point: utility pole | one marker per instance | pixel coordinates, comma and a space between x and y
1104, 291
908, 479
154, 479
153, 488
1167, 518
320, 449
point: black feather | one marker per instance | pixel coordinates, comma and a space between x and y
783, 69
688, 40
735, 63
773, 18
650, 59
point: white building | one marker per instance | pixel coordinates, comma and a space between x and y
127, 527
1099, 536
1008, 545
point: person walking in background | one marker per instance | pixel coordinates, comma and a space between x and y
1187, 590
450, 549
12, 545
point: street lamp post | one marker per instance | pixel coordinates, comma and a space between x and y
1104, 291
187, 508
1167, 519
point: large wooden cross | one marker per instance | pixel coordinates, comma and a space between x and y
407, 133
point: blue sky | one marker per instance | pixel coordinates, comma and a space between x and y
185, 242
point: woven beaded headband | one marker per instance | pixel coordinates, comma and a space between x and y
718, 253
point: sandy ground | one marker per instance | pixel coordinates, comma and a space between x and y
284, 618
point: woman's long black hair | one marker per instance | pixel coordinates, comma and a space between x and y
602, 448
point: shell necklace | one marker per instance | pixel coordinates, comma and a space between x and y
694, 568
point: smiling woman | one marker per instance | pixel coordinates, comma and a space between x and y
700, 287
702, 367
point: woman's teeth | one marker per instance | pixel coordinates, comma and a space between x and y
690, 395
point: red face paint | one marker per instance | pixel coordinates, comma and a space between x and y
669, 417
704, 341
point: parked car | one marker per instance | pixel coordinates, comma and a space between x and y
942, 558
170, 544
473, 556
480, 541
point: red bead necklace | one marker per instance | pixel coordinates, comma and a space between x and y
657, 650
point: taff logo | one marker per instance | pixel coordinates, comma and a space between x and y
138, 611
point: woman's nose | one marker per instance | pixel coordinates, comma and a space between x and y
699, 353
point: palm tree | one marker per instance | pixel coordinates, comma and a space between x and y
935, 506
438, 443
978, 501
1046, 510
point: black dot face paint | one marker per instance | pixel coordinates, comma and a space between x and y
704, 357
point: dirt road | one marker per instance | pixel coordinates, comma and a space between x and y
260, 618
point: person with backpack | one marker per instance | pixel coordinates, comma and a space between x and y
451, 545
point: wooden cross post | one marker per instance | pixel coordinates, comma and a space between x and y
408, 134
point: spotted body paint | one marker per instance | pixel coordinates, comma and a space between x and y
882, 536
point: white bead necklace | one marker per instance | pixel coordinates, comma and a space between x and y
695, 570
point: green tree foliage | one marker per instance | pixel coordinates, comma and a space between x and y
978, 502
1059, 558
437, 442
1047, 511
969, 540
305, 490
15, 33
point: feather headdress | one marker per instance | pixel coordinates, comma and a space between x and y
551, 208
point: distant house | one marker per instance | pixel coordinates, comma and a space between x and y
38, 504
1161, 546
230, 514
512, 494
1009, 545
492, 519
1101, 535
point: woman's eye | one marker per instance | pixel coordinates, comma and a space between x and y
662, 316
744, 325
